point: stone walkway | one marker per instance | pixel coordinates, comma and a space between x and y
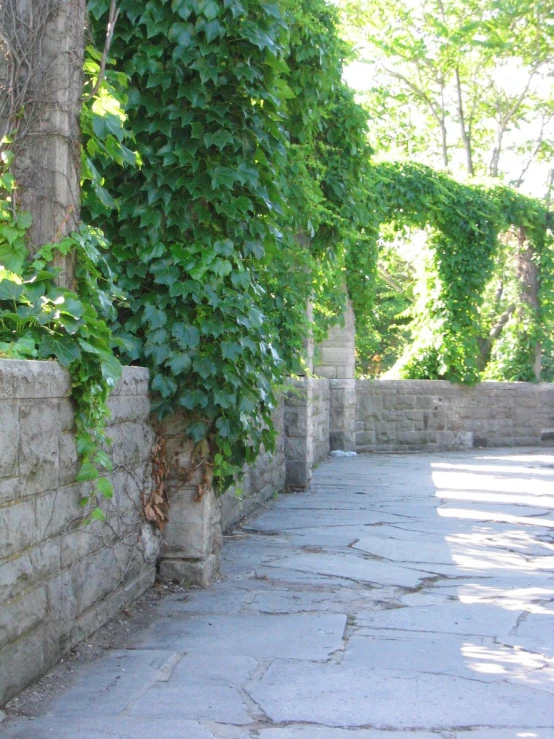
404, 596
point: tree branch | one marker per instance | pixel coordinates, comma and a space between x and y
112, 20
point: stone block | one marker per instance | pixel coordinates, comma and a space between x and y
18, 528
129, 408
9, 438
131, 443
22, 614
10, 489
101, 612
58, 512
133, 381
547, 437
21, 662
39, 448
189, 530
189, 572
66, 414
424, 402
327, 372
68, 459
296, 422
22, 573
342, 440
298, 474
365, 438
33, 379
385, 432
296, 447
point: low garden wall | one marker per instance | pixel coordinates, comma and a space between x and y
59, 581
416, 415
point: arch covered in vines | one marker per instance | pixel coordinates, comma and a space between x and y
464, 222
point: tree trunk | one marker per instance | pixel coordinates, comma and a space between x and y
528, 276
465, 135
47, 41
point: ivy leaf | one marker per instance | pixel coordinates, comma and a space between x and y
180, 363
98, 515
231, 350
105, 487
192, 399
187, 336
223, 426
209, 8
166, 273
87, 472
204, 366
10, 290
63, 348
164, 385
156, 317
198, 431
220, 139
223, 176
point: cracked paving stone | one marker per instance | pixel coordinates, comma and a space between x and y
352, 567
347, 695
327, 732
403, 596
284, 520
475, 658
449, 618
117, 679
184, 696
313, 636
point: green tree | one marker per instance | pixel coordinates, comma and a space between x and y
466, 86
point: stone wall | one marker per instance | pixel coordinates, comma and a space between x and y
263, 479
60, 581
415, 415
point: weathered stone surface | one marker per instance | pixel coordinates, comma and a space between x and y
419, 414
294, 642
312, 637
39, 449
60, 581
9, 438
340, 695
111, 728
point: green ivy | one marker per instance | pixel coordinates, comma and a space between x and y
464, 223
208, 234
39, 320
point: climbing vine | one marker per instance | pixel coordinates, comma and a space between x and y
464, 223
39, 320
209, 235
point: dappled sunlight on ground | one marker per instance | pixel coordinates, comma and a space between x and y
510, 549
477, 515
533, 600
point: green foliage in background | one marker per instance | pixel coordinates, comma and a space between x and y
464, 224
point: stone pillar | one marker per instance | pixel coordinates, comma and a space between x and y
337, 361
342, 415
192, 539
336, 356
299, 447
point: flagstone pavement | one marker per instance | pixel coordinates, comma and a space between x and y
402, 596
